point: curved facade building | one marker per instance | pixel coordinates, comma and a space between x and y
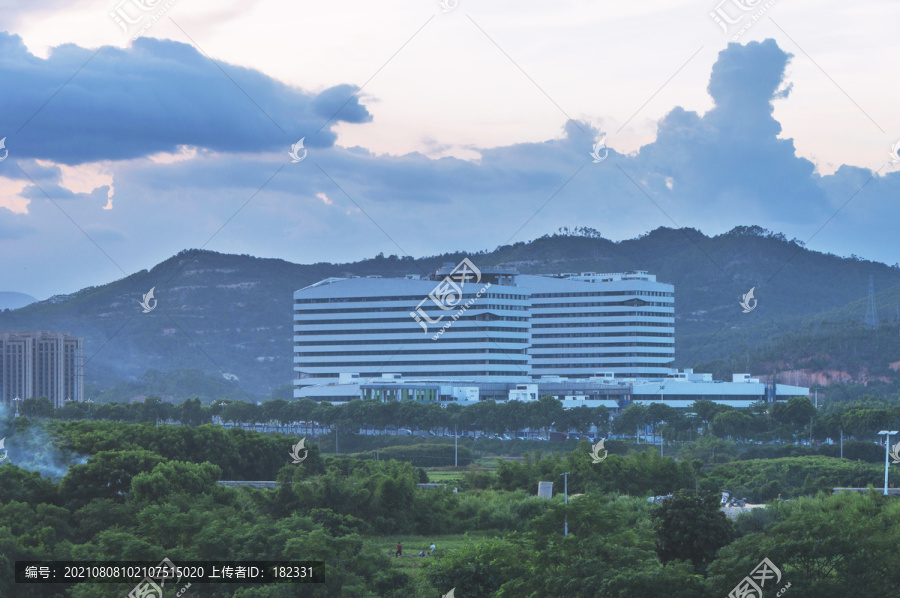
582, 324
494, 325
476, 326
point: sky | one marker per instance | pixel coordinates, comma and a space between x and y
139, 128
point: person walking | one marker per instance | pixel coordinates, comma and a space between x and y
432, 548
399, 549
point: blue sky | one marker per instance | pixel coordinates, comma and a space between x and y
429, 131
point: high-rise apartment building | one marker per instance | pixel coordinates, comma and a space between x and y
41, 364
492, 325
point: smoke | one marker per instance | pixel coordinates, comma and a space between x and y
29, 446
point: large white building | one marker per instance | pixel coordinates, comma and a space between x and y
497, 325
369, 326
586, 323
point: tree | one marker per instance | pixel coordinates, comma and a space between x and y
39, 407
478, 570
150, 410
658, 413
275, 411
706, 410
794, 415
241, 412
72, 410
691, 528
580, 418
831, 545
731, 423
633, 417
191, 412
171, 477
108, 474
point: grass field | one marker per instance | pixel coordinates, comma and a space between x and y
449, 475
409, 562
437, 476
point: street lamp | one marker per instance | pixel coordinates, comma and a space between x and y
887, 446
566, 501
17, 400
90, 409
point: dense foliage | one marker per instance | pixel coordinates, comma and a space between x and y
144, 492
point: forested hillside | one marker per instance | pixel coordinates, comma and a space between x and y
230, 315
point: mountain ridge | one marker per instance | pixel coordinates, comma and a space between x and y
232, 314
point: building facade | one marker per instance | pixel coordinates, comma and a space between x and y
678, 390
586, 323
41, 364
496, 325
451, 325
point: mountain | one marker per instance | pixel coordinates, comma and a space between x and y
13, 300
230, 315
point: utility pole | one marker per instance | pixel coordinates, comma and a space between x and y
887, 446
335, 438
455, 448
842, 444
566, 501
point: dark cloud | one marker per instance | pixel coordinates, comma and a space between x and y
56, 192
150, 98
731, 156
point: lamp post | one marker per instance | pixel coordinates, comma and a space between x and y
90, 409
566, 501
887, 446
17, 400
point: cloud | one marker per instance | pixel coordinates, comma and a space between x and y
151, 98
731, 157
217, 180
